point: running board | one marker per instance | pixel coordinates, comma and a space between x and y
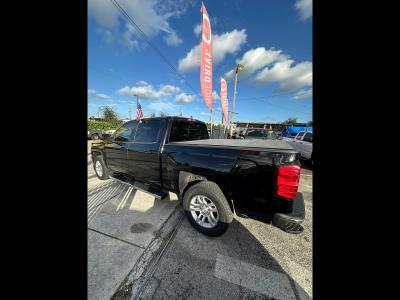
137, 185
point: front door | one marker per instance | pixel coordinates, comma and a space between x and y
144, 152
116, 149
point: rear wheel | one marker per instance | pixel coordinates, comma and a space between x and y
100, 168
207, 209
95, 136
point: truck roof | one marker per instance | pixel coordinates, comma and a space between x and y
169, 117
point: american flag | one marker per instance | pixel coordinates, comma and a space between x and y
139, 113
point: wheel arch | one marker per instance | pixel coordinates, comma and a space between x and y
188, 179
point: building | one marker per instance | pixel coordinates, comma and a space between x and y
276, 126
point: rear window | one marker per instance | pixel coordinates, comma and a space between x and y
308, 137
185, 130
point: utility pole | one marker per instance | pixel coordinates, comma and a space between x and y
239, 68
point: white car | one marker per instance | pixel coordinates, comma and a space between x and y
110, 131
303, 143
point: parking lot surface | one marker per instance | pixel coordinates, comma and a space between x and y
252, 260
122, 222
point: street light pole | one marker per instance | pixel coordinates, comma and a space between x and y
239, 68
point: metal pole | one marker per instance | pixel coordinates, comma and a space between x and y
211, 121
233, 105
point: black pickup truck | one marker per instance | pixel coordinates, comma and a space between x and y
214, 178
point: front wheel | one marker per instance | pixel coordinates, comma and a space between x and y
100, 168
207, 209
95, 136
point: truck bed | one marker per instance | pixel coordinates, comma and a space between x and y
239, 143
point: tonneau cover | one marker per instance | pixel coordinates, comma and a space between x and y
256, 143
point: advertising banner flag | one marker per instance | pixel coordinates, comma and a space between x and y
206, 59
224, 98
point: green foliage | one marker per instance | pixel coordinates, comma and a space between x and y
103, 125
290, 121
109, 114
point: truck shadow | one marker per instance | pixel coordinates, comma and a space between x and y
235, 265
254, 252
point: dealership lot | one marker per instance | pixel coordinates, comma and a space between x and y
251, 260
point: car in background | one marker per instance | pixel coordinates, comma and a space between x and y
110, 132
303, 144
94, 134
258, 133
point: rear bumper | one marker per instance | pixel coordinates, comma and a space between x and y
291, 222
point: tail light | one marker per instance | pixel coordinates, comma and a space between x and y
288, 181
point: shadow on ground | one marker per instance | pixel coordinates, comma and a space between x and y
233, 266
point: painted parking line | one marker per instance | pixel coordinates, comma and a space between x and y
306, 186
261, 280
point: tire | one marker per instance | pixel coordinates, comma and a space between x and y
97, 163
207, 191
95, 136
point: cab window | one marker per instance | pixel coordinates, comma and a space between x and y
148, 131
124, 133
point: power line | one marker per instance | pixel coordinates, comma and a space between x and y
147, 40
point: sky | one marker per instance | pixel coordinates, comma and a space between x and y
271, 38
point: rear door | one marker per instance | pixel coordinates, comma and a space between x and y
116, 149
144, 151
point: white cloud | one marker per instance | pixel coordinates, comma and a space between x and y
125, 91
184, 98
146, 91
226, 43
162, 106
255, 59
303, 94
102, 96
173, 39
274, 66
169, 89
304, 8
128, 38
205, 113
104, 12
197, 29
93, 93
215, 96
290, 77
152, 16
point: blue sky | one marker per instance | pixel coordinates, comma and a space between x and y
271, 38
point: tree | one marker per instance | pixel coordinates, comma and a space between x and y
152, 115
290, 121
109, 115
163, 114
